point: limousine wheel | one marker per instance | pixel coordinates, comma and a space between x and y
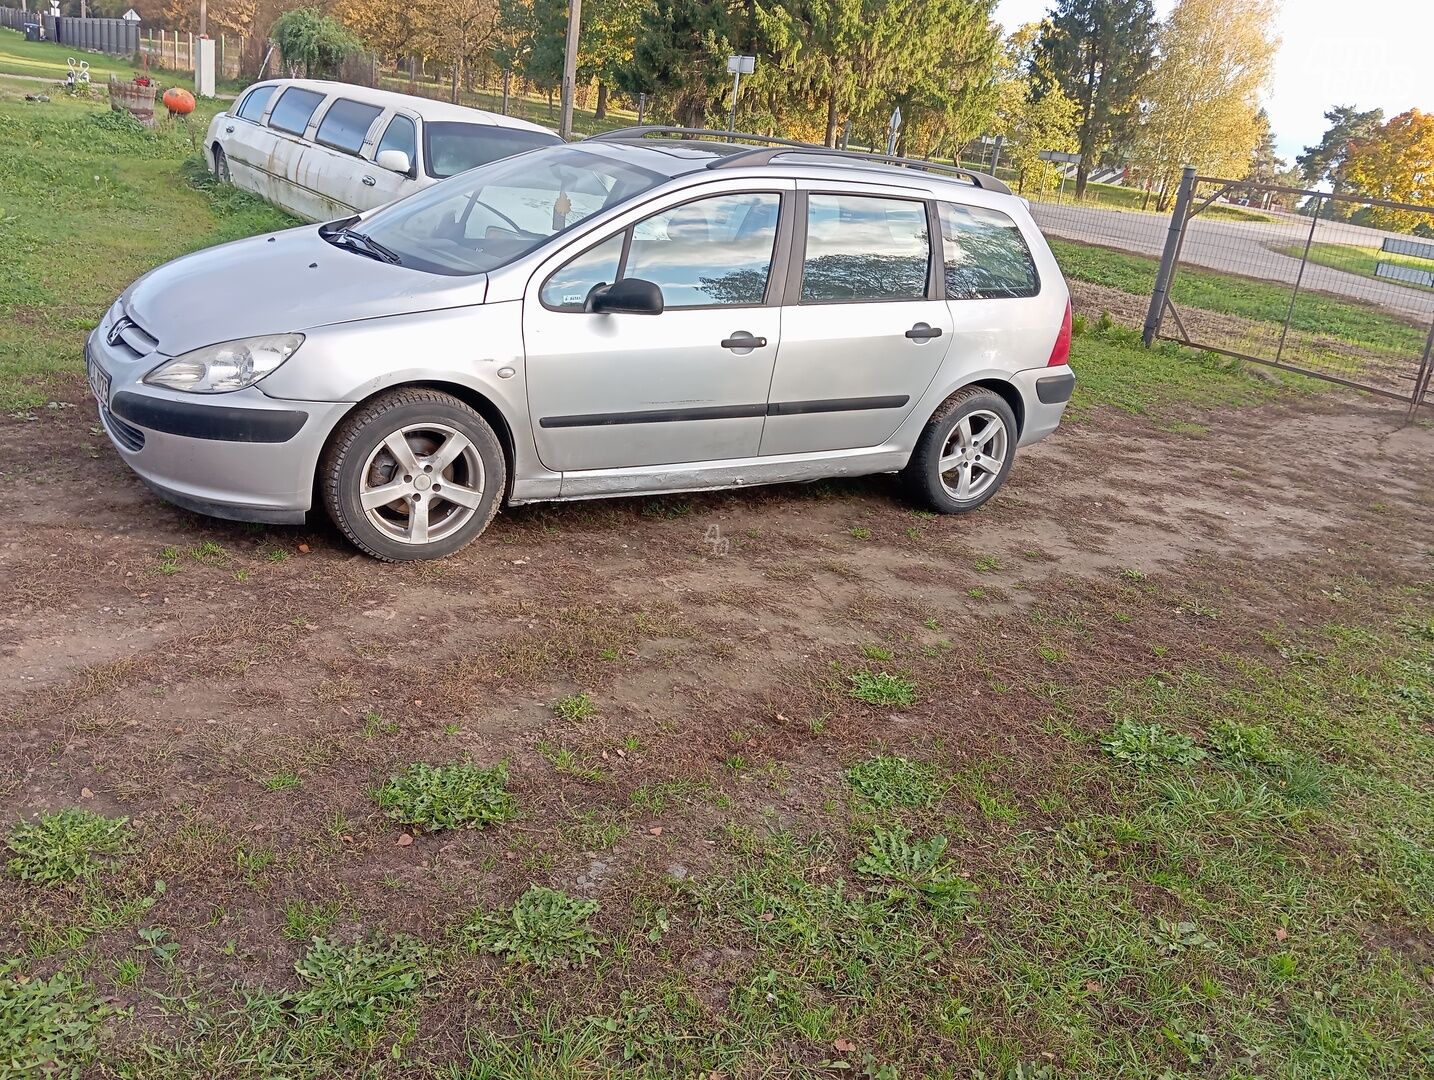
965, 452
412, 474
221, 165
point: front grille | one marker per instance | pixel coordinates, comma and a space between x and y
132, 340
127, 435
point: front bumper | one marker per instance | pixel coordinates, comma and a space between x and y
243, 456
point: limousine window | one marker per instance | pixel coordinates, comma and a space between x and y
346, 124
454, 147
400, 135
253, 105
491, 215
294, 110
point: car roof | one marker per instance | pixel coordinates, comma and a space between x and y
427, 108
679, 157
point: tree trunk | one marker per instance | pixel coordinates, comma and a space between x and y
831, 118
550, 103
601, 112
457, 74
507, 81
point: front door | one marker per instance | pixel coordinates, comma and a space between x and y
610, 391
862, 331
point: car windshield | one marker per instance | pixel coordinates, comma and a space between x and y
489, 216
454, 148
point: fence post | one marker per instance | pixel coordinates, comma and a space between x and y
1156, 314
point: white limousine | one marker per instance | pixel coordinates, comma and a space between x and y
323, 150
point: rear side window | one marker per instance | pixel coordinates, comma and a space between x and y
454, 147
400, 135
255, 103
346, 124
861, 247
986, 256
294, 109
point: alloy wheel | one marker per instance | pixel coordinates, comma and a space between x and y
422, 483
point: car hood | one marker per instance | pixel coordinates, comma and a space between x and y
280, 283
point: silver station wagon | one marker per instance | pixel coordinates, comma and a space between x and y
650, 310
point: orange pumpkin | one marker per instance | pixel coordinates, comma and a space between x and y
178, 102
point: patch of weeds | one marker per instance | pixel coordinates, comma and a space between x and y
597, 830
987, 563
170, 561
876, 652
276, 555
448, 796
350, 990
304, 919
157, 941
47, 1026
545, 928
916, 868
127, 972
565, 760
1132, 574
976, 594
574, 707
208, 551
1241, 742
932, 624
888, 780
1178, 937
1148, 746
65, 846
882, 688
374, 725
284, 781
861, 532
1300, 781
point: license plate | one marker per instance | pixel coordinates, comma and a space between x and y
99, 384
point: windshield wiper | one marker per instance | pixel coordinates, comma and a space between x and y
367, 245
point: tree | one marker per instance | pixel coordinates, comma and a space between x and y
609, 30
307, 36
456, 32
1396, 163
1323, 163
1203, 106
1031, 120
1098, 53
384, 26
681, 48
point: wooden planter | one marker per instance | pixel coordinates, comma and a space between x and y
134, 99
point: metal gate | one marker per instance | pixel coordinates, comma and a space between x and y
1337, 287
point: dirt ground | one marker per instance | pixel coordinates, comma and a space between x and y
160, 665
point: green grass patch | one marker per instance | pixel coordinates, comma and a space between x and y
448, 796
65, 846
910, 868
889, 780
1359, 260
48, 1027
881, 688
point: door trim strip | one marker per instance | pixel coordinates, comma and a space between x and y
725, 412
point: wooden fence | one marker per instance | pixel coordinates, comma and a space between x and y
174, 50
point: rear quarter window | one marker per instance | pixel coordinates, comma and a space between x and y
294, 109
985, 254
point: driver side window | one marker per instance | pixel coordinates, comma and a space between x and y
710, 252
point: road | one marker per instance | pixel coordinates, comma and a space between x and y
1250, 248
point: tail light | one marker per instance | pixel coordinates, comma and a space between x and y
1061, 353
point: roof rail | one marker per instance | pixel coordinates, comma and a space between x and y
775, 148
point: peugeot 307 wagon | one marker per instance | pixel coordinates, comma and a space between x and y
650, 310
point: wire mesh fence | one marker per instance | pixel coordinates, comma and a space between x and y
1338, 287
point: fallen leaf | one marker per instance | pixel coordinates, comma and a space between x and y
1092, 987
86, 793
1281, 933
845, 1046
656, 830
347, 839
304, 548
767, 916
404, 839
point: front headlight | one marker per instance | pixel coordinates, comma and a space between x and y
230, 365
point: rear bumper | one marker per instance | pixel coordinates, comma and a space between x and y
1045, 391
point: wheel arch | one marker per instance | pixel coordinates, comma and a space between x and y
1003, 388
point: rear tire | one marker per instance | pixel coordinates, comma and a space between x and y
412, 474
965, 453
221, 165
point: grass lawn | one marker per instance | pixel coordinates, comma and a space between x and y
1260, 301
1359, 260
995, 822
47, 60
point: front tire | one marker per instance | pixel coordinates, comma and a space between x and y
964, 454
221, 165
412, 474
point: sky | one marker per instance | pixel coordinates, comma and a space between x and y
1370, 54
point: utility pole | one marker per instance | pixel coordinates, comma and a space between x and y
203, 17
570, 67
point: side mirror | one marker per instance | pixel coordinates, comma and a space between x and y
630, 296
394, 161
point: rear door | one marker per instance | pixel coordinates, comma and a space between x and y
863, 327
288, 122
330, 169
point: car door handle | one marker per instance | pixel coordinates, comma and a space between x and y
369, 181
743, 340
922, 332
